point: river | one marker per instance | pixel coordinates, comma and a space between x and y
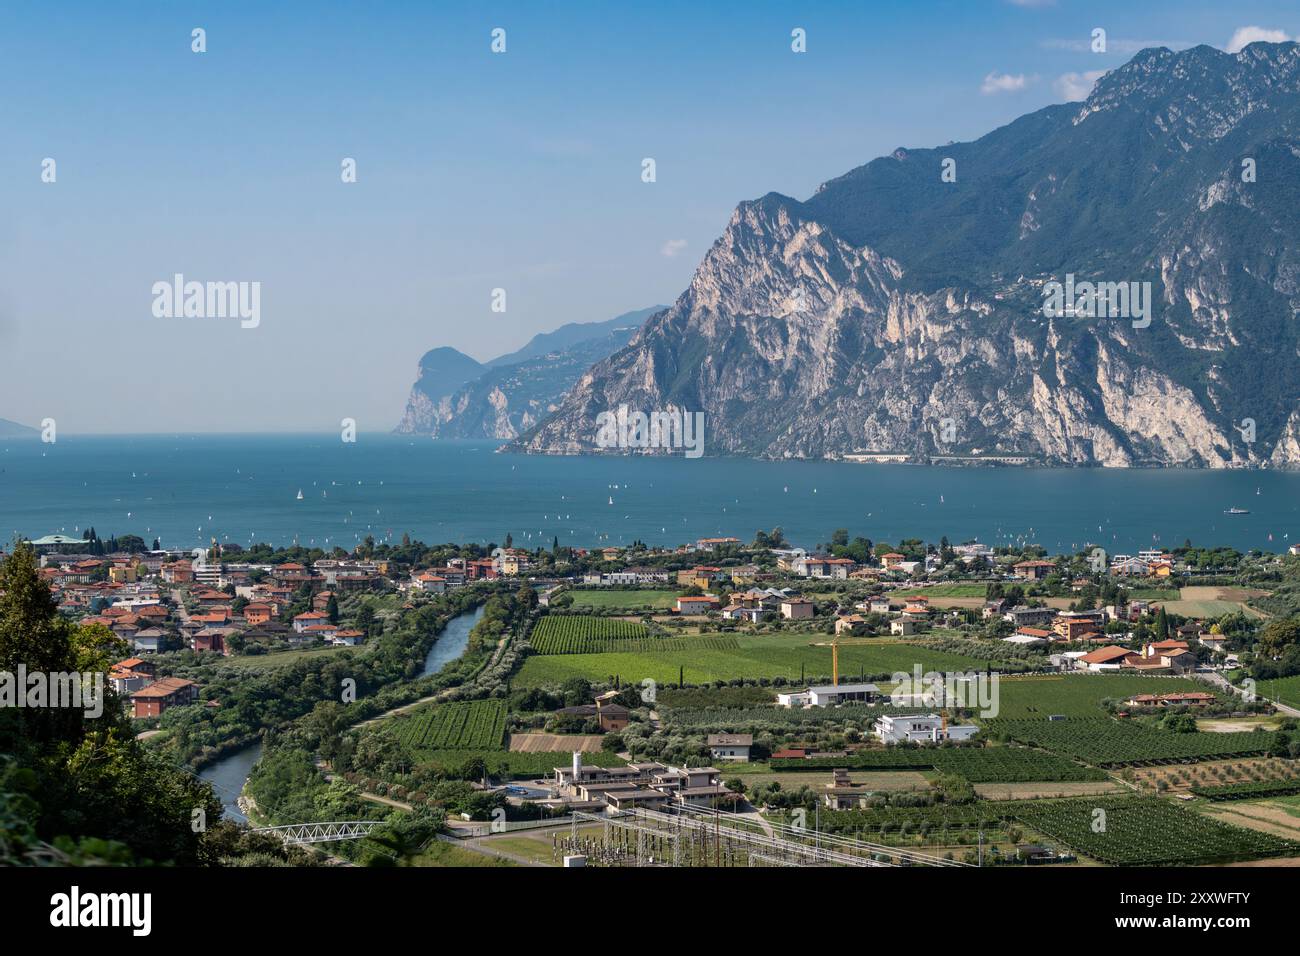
451, 643
229, 774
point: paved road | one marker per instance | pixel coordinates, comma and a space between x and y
180, 606
1218, 680
760, 820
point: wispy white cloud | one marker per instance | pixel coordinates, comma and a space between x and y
1003, 83
672, 247
1244, 36
1076, 86
1032, 3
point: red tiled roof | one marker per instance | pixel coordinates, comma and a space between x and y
164, 688
1103, 655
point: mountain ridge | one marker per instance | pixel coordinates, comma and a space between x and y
10, 429
895, 313
511, 393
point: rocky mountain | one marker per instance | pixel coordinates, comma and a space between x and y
900, 310
442, 371
510, 394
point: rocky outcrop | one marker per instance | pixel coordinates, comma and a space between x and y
510, 394
895, 313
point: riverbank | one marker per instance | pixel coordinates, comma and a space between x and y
222, 772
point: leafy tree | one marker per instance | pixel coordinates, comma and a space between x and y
1277, 636
81, 775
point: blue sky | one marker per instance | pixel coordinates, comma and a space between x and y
475, 171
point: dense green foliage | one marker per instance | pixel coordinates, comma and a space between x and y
75, 787
927, 821
694, 698
269, 699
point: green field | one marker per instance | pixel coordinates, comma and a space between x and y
580, 634
660, 600
442, 853
1079, 695
1145, 831
755, 656
478, 724
1204, 610
1113, 743
639, 645
1285, 689
1154, 594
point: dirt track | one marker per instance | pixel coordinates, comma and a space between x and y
554, 743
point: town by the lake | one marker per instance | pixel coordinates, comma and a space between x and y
850, 702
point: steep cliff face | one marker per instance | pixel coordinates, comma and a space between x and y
442, 372
894, 312
510, 394
506, 401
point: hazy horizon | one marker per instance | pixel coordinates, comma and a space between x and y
474, 171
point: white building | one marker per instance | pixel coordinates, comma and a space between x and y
1024, 639
148, 641
796, 699
920, 728
429, 583
1068, 660
730, 746
828, 695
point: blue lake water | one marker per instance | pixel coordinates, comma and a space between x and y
243, 488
